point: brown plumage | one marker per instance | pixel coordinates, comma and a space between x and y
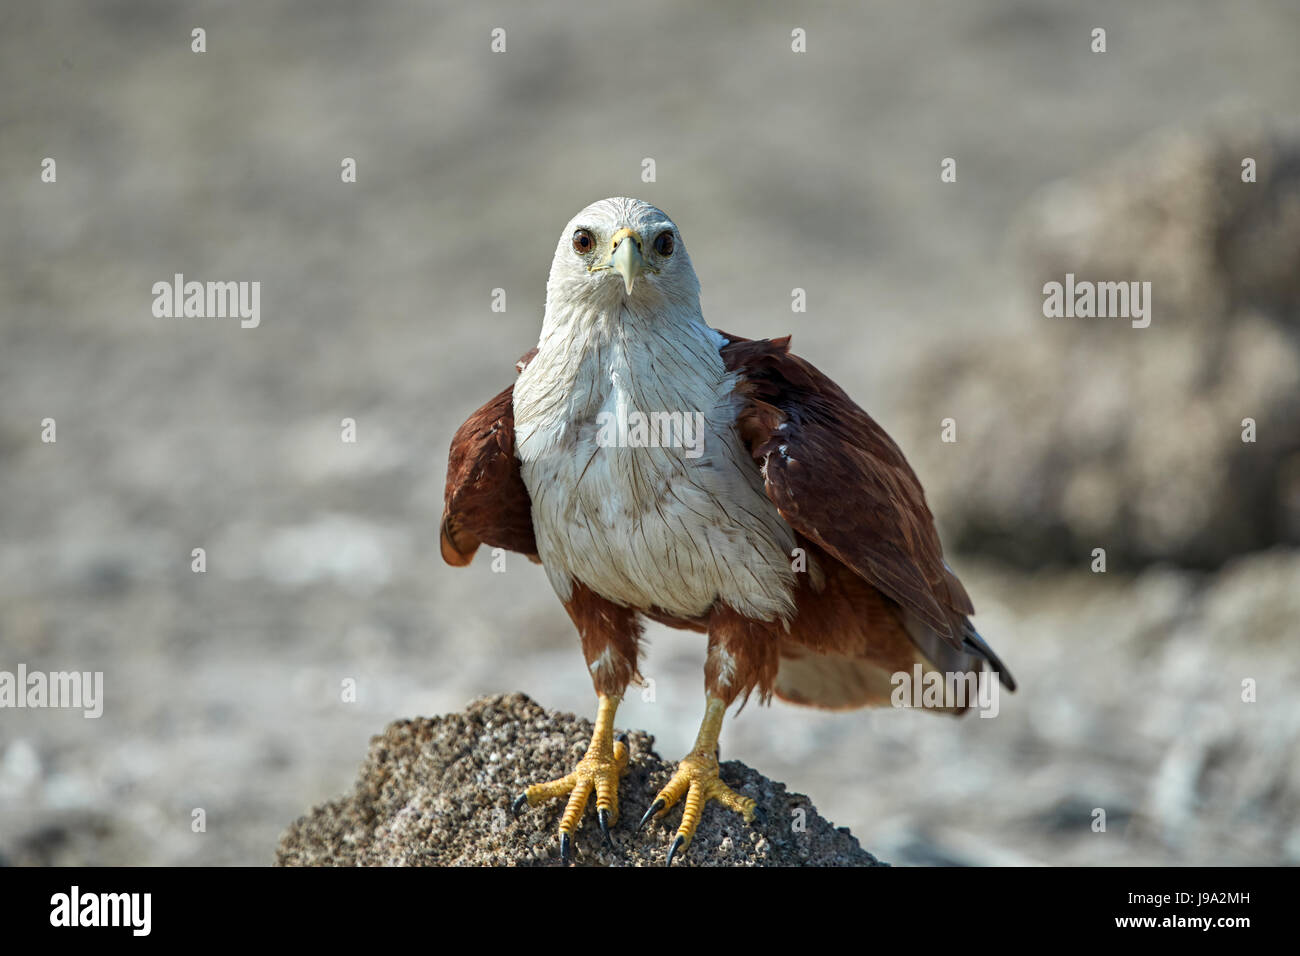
844, 487
485, 501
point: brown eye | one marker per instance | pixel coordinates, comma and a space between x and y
664, 244
583, 243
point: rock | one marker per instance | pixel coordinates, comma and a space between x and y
1174, 211
1083, 433
437, 792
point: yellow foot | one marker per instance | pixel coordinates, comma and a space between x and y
598, 771
697, 778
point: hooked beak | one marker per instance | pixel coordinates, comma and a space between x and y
625, 258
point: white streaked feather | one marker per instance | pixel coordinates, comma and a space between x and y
726, 665
604, 662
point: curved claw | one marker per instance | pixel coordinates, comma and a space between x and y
677, 845
654, 808
760, 817
519, 803
602, 817
566, 848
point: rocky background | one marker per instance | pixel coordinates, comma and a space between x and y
225, 691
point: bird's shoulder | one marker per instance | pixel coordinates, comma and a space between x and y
840, 480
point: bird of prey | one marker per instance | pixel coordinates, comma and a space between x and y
658, 468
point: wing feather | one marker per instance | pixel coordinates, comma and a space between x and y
486, 501
840, 480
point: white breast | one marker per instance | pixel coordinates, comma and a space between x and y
676, 528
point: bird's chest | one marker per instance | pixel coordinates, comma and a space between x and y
642, 491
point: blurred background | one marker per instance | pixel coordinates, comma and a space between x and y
816, 170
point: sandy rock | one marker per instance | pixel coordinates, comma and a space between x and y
438, 792
1083, 433
1174, 211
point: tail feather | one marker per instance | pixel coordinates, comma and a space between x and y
971, 638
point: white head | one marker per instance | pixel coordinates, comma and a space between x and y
621, 254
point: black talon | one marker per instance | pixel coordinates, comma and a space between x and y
623, 739
677, 845
760, 817
519, 803
565, 847
654, 808
602, 817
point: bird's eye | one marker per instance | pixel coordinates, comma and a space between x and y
583, 242
664, 243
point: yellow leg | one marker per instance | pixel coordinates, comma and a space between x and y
599, 770
697, 779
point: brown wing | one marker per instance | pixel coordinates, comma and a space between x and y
485, 501
840, 481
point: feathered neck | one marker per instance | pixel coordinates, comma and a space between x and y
667, 360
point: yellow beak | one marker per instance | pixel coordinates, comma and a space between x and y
625, 258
